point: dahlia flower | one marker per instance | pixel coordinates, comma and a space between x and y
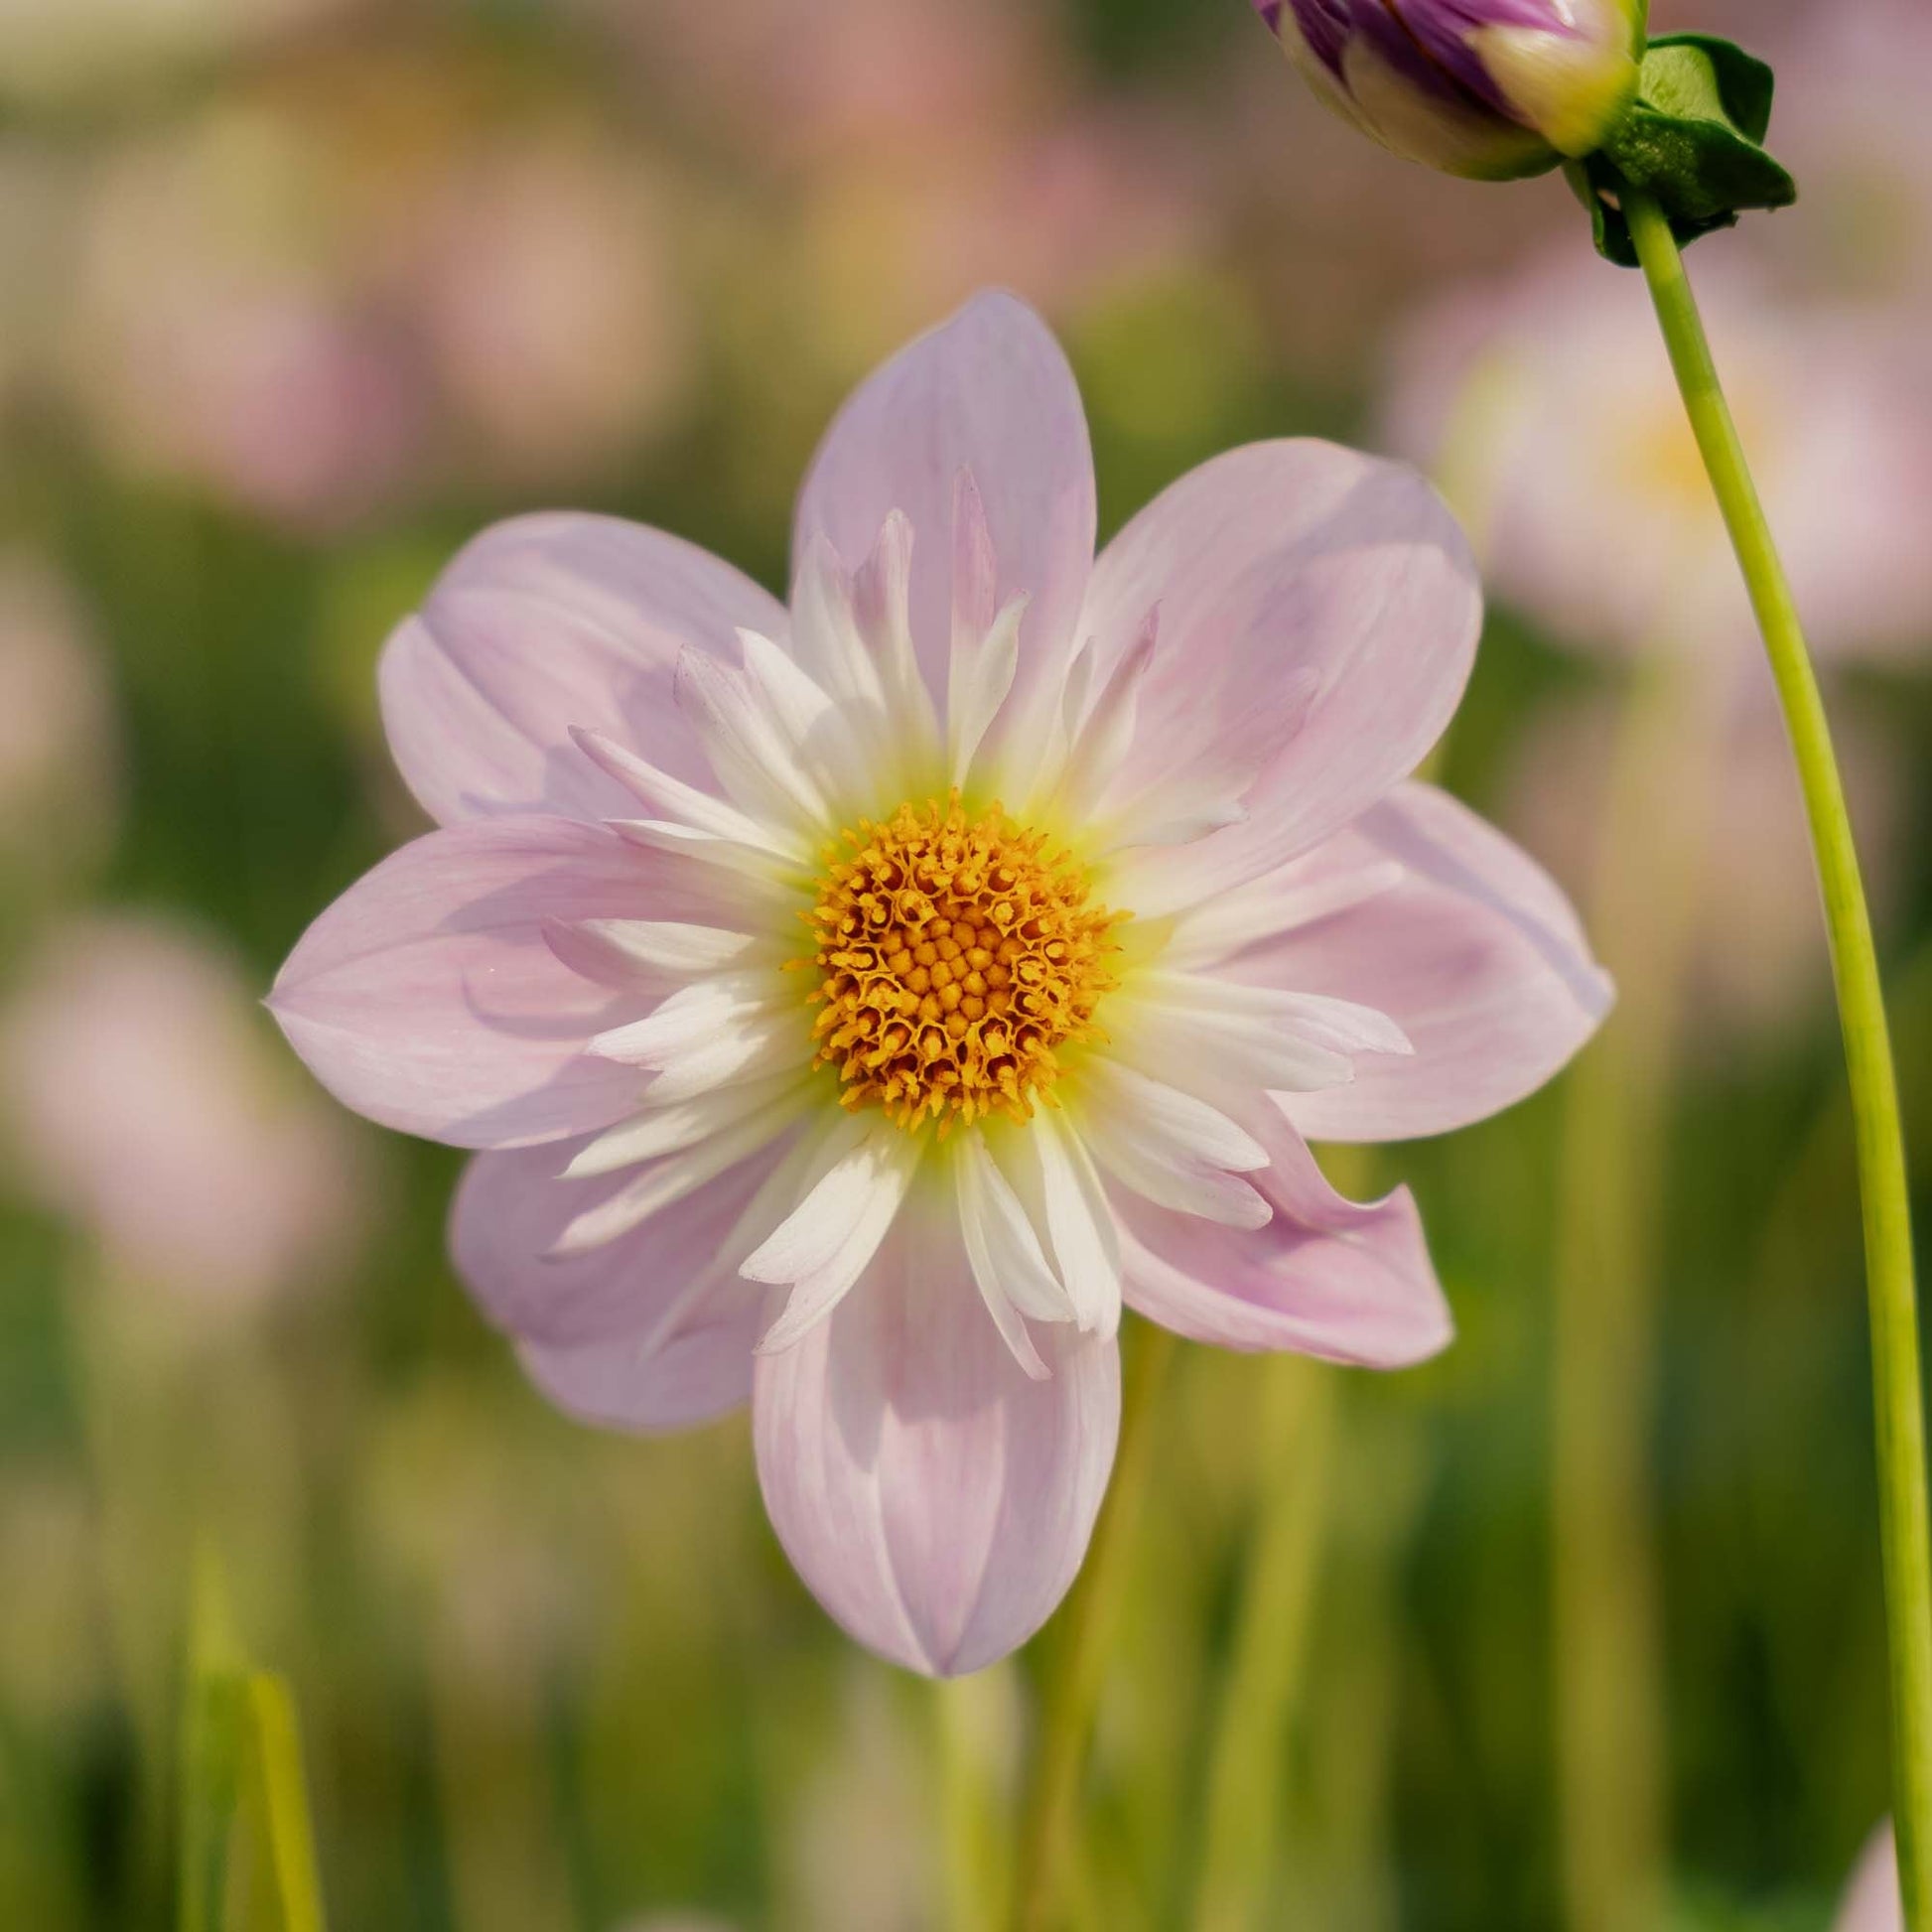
857, 1003
1489, 88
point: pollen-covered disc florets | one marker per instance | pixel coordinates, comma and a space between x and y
957, 955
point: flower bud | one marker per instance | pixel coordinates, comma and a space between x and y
1489, 88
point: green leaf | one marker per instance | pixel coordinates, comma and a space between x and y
247, 1849
1692, 138
280, 1796
211, 1753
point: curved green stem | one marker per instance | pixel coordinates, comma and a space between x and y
1867, 1050
1079, 1661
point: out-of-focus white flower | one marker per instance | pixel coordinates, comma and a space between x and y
1545, 404
57, 754
137, 1081
550, 299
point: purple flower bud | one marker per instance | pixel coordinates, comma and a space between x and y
1490, 88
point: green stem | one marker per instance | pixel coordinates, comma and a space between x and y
966, 1719
1882, 1177
1242, 1834
1609, 1202
1080, 1659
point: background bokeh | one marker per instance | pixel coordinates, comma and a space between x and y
297, 294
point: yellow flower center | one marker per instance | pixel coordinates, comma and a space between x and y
957, 954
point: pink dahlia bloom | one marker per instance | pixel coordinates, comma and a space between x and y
1871, 1900
854, 1004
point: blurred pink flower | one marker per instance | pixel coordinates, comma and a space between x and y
1755, 872
1545, 407
550, 301
221, 335
1850, 124
1066, 217
1871, 1900
59, 756
1341, 236
137, 1084
1129, 839
805, 80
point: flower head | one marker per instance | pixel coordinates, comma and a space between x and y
855, 1003
1490, 88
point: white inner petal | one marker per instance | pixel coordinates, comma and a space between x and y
713, 1032
687, 807
747, 746
1219, 927
633, 953
670, 1128
1002, 1244
1053, 1176
752, 865
979, 676
663, 1182
822, 1247
1209, 1036
1099, 732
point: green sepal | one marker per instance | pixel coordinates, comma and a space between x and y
1740, 83
1692, 138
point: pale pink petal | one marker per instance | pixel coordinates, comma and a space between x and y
988, 396
700, 1370
512, 1210
1475, 954
1317, 619
935, 1497
548, 622
1871, 1902
428, 998
1344, 1281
